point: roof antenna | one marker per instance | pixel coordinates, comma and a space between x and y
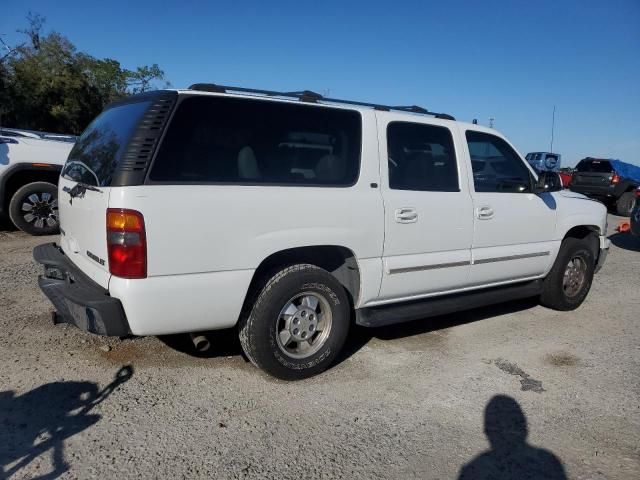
553, 124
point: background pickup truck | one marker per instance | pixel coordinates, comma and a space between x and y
611, 181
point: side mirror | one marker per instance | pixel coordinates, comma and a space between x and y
548, 182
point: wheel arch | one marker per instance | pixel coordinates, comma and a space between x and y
624, 186
19, 175
586, 232
339, 261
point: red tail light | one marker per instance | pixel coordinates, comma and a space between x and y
638, 193
615, 179
127, 243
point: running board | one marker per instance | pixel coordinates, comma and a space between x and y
431, 307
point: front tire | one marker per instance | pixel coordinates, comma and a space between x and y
624, 204
569, 281
298, 324
34, 208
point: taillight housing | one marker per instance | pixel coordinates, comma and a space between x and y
615, 179
126, 243
637, 192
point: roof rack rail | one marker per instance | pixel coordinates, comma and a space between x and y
313, 97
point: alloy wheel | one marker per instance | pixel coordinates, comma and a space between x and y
574, 276
303, 325
40, 209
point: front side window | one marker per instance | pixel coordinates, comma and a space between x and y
245, 141
421, 157
496, 166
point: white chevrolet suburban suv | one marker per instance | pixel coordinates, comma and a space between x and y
290, 216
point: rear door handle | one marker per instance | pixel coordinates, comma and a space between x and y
406, 215
484, 213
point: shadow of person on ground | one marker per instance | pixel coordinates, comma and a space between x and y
510, 457
626, 241
40, 420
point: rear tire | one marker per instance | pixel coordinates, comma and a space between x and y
34, 208
298, 324
568, 283
624, 204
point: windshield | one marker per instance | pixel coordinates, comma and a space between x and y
95, 157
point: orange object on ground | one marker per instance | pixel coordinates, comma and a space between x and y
624, 226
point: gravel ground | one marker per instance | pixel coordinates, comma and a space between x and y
403, 402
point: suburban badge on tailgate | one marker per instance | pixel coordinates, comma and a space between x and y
95, 257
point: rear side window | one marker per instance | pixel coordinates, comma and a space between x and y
421, 157
496, 166
229, 140
594, 166
95, 156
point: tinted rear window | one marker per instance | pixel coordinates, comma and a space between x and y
229, 140
95, 156
594, 166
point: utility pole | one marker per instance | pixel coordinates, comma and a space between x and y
553, 124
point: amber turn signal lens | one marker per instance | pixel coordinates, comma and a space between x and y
123, 220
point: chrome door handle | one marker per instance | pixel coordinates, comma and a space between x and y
406, 215
484, 213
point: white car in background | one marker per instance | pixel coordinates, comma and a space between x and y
30, 164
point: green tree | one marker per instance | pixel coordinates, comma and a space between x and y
47, 84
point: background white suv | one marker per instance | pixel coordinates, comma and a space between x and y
30, 164
289, 216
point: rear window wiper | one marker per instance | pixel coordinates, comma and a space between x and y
79, 189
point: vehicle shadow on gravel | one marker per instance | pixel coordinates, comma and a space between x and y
7, 226
626, 241
360, 336
225, 343
39, 421
510, 456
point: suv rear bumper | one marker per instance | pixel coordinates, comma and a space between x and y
78, 299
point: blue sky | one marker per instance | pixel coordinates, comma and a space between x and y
511, 60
